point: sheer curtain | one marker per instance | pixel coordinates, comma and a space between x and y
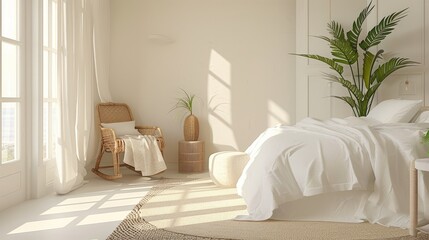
77, 88
101, 42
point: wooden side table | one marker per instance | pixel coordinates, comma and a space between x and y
191, 156
422, 165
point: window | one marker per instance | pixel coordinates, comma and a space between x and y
11, 80
50, 91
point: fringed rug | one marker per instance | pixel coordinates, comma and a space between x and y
198, 210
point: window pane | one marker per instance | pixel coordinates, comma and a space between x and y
45, 23
9, 19
9, 131
50, 129
45, 73
54, 76
54, 25
10, 70
55, 128
45, 131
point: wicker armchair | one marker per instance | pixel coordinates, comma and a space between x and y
112, 113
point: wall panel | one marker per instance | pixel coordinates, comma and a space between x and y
319, 101
319, 14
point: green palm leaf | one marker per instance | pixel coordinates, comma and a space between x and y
342, 50
336, 30
348, 100
352, 88
333, 65
353, 35
368, 64
185, 102
367, 100
382, 30
389, 67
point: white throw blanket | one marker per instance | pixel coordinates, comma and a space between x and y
142, 152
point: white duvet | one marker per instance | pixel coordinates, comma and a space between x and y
316, 158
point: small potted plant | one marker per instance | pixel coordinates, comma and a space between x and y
191, 128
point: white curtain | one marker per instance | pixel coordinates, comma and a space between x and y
77, 83
101, 42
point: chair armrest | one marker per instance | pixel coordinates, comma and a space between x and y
150, 130
108, 137
154, 131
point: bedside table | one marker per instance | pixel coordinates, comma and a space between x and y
191, 156
422, 165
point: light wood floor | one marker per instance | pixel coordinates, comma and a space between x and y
90, 212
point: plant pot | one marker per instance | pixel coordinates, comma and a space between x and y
191, 128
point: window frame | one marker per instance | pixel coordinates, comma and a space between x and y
20, 43
48, 98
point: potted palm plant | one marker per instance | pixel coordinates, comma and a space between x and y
368, 69
191, 125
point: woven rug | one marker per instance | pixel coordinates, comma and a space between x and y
197, 209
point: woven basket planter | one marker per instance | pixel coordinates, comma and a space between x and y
191, 128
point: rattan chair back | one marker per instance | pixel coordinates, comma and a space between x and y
114, 112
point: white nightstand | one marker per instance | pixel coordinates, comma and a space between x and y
422, 165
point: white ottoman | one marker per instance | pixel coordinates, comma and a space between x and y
226, 167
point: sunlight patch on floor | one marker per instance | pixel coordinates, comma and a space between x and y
43, 225
147, 188
185, 206
195, 202
82, 200
196, 219
177, 193
121, 203
104, 217
127, 195
69, 208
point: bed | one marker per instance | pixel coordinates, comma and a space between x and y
344, 170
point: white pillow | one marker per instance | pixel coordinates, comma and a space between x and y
122, 128
395, 110
423, 117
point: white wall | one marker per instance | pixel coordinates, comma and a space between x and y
232, 54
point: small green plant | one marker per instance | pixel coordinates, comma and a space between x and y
190, 125
186, 102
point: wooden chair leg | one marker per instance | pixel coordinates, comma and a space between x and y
115, 158
116, 165
100, 155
